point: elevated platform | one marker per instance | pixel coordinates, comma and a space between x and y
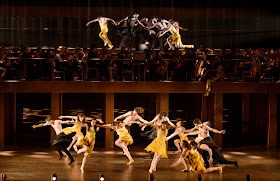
135, 87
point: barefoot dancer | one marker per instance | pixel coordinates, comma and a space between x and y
158, 146
193, 159
202, 130
61, 141
79, 122
87, 143
124, 139
161, 117
180, 131
103, 23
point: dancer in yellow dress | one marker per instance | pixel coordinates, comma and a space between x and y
86, 144
124, 139
158, 145
180, 131
193, 159
175, 38
79, 123
103, 23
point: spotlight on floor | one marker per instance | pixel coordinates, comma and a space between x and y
53, 177
101, 177
248, 177
199, 177
3, 177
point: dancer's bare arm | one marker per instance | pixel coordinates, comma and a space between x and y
184, 29
123, 116
92, 21
126, 18
113, 21
141, 119
180, 160
67, 122
192, 133
69, 117
190, 130
215, 130
169, 122
172, 135
165, 31
40, 125
130, 122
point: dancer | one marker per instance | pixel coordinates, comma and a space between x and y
180, 131
158, 145
79, 123
175, 38
87, 143
61, 141
205, 138
129, 23
124, 139
193, 159
152, 134
103, 23
131, 116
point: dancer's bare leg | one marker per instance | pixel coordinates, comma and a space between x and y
156, 162
212, 169
123, 146
177, 144
83, 150
84, 162
77, 138
169, 44
152, 164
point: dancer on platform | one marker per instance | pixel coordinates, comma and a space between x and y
124, 139
79, 123
175, 38
158, 145
61, 141
180, 131
103, 23
193, 159
202, 130
86, 144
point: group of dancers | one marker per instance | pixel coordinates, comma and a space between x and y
196, 154
156, 32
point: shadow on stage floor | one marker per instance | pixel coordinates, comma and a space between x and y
38, 163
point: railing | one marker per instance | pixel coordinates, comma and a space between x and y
137, 68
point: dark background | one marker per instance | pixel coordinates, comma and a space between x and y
216, 24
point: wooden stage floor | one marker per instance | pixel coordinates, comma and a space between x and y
37, 163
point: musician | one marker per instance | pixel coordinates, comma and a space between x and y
213, 76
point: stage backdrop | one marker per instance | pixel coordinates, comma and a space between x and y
216, 24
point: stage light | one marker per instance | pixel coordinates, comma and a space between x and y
53, 177
3, 177
101, 177
199, 177
248, 177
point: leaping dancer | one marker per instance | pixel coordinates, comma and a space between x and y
103, 23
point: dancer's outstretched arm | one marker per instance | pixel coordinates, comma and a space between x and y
130, 122
169, 122
192, 133
69, 117
92, 21
172, 135
165, 31
113, 21
126, 18
40, 125
184, 29
149, 124
67, 122
123, 116
141, 119
180, 160
216, 131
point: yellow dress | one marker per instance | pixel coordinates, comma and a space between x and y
194, 160
88, 140
158, 145
75, 128
124, 135
182, 137
103, 34
175, 37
